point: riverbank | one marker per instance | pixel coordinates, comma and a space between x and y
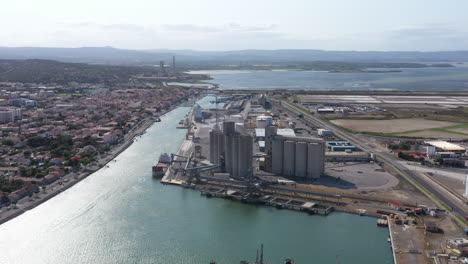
67, 181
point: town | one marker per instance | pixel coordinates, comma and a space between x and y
50, 139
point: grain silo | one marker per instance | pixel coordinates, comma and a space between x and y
301, 159
277, 156
289, 154
314, 160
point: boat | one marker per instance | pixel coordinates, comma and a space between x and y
158, 119
163, 164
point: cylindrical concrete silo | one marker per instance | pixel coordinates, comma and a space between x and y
220, 149
245, 155
213, 135
229, 127
322, 158
289, 154
313, 161
301, 159
228, 154
277, 156
235, 156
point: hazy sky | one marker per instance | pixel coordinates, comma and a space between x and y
237, 24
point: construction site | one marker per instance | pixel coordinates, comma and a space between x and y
265, 152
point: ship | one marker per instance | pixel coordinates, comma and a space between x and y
163, 165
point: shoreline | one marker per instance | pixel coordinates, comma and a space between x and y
25, 204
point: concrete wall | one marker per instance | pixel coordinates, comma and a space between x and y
301, 160
289, 154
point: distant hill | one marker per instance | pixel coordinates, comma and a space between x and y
109, 55
48, 71
292, 55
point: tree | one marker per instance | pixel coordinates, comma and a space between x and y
8, 142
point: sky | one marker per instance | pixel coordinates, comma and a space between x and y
387, 25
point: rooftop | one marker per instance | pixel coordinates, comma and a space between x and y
445, 145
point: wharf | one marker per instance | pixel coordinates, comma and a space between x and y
275, 201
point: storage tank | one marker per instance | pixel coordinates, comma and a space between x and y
277, 156
289, 154
301, 159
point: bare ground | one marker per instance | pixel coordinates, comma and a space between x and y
391, 126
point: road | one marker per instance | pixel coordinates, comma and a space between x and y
458, 176
385, 157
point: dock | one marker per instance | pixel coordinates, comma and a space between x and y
274, 201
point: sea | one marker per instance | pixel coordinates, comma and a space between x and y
406, 79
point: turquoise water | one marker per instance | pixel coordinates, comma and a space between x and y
121, 215
424, 79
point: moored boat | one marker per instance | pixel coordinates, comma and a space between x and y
163, 164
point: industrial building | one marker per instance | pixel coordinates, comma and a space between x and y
294, 157
264, 121
342, 156
324, 132
10, 114
232, 150
325, 110
340, 145
444, 146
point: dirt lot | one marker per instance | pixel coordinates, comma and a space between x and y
461, 130
391, 126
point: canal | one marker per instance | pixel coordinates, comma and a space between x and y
120, 214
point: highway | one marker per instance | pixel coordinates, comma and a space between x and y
389, 159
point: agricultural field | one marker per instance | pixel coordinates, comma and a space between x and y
390, 126
406, 127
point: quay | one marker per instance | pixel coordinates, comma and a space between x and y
275, 201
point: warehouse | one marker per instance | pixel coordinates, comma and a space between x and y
444, 146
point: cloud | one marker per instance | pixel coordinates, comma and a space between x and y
228, 27
426, 37
427, 31
107, 27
